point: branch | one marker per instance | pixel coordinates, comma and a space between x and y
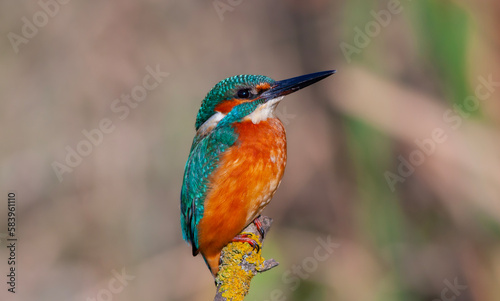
240, 263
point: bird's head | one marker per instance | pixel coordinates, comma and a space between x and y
248, 96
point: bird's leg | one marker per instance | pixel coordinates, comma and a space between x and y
258, 225
246, 238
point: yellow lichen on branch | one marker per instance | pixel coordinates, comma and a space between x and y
234, 279
240, 262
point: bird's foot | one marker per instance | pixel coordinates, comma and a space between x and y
246, 238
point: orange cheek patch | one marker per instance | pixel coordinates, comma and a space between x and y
226, 106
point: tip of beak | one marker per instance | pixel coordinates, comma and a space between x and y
327, 73
287, 86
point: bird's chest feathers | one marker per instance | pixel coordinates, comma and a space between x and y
260, 156
262, 141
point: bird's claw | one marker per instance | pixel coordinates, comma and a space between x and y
246, 238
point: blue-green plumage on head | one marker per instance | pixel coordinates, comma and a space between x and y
224, 90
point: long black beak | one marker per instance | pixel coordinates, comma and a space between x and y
287, 86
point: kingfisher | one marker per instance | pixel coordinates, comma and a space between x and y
236, 161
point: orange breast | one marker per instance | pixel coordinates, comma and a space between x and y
244, 183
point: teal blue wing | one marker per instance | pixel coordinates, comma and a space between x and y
202, 162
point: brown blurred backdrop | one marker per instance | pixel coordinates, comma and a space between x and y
395, 159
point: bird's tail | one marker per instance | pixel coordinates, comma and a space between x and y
212, 262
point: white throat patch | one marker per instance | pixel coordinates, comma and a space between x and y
264, 111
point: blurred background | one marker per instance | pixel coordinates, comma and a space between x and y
392, 188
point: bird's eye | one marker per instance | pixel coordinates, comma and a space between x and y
243, 93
